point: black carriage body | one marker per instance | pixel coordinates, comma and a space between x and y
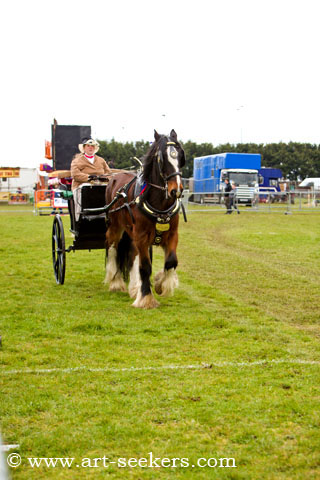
90, 230
65, 141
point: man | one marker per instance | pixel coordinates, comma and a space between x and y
87, 163
232, 196
227, 198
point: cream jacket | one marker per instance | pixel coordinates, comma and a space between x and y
81, 168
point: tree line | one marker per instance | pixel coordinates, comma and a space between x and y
296, 160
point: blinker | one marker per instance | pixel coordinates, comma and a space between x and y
173, 152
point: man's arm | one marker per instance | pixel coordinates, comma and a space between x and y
76, 173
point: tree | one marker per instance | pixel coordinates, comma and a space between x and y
296, 160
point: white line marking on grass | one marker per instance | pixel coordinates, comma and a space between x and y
6, 448
159, 368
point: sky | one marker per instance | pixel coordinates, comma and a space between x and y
214, 70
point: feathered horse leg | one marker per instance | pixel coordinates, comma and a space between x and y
135, 279
145, 298
114, 275
167, 280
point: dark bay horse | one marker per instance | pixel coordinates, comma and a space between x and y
146, 214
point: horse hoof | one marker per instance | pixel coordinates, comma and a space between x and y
117, 285
146, 302
158, 281
165, 282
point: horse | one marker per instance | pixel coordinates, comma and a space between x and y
145, 213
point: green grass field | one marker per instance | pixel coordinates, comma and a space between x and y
226, 368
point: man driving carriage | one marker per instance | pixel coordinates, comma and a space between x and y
86, 165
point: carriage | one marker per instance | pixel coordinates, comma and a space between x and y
127, 216
88, 229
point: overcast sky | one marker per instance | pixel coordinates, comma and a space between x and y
215, 71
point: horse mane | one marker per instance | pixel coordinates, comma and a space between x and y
148, 160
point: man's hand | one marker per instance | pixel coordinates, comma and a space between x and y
91, 178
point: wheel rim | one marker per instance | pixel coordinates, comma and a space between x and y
58, 250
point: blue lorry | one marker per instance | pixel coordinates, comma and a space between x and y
209, 173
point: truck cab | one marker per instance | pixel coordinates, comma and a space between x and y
269, 184
246, 181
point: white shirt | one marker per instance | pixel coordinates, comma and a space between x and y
91, 159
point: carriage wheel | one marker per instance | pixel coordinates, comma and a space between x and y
58, 250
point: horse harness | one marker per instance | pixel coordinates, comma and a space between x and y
160, 217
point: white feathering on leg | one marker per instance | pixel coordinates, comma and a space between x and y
111, 267
165, 282
147, 302
135, 279
113, 274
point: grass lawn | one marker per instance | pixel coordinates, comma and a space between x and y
226, 368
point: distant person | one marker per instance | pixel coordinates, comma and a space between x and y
227, 198
233, 199
87, 164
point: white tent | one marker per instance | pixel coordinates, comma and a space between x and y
311, 182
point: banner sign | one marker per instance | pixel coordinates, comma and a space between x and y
9, 172
18, 198
57, 200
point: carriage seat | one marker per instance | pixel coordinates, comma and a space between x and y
89, 196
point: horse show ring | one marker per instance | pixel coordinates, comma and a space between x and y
210, 353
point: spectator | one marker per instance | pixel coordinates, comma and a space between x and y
227, 198
233, 197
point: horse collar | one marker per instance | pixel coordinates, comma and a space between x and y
159, 216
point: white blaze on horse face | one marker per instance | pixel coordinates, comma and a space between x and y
173, 159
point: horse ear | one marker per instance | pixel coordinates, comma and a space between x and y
173, 135
156, 135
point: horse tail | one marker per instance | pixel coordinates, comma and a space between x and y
125, 255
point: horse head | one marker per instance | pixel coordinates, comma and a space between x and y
163, 163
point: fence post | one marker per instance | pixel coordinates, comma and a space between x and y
185, 198
288, 212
